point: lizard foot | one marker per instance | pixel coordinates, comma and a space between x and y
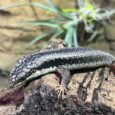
62, 91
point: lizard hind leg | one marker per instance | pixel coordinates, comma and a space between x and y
62, 91
64, 76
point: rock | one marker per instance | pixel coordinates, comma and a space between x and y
8, 110
110, 32
87, 94
14, 34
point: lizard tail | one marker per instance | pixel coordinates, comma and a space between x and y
112, 67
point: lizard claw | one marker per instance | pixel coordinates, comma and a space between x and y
62, 91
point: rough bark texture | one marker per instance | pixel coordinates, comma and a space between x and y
87, 94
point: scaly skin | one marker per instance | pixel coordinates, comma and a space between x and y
66, 59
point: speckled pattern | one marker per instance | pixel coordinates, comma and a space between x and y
67, 58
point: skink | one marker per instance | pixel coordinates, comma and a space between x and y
62, 61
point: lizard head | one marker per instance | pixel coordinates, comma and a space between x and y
20, 70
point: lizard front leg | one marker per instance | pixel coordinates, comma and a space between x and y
64, 76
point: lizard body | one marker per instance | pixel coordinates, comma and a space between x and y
61, 61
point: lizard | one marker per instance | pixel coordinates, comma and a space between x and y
61, 61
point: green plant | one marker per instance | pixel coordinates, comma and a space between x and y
70, 23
